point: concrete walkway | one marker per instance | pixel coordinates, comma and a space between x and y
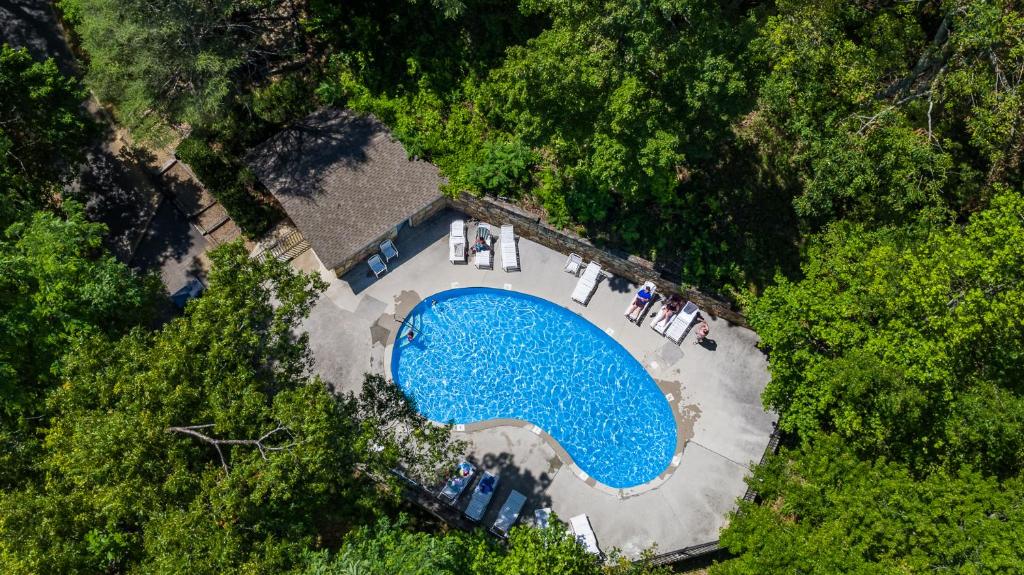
715, 390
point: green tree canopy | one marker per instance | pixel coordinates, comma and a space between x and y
826, 510
907, 342
42, 132
390, 547
58, 285
180, 62
204, 447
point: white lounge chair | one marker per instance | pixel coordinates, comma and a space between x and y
587, 283
676, 330
509, 256
484, 258
580, 527
508, 514
454, 487
572, 265
642, 312
457, 242
377, 265
482, 494
388, 249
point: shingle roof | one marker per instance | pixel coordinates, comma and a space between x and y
343, 180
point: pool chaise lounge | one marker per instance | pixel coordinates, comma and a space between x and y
642, 312
509, 256
661, 326
455, 486
457, 242
680, 324
482, 495
580, 527
508, 514
484, 258
587, 283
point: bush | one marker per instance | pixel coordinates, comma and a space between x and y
288, 98
232, 185
503, 169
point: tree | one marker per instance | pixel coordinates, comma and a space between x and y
42, 132
391, 547
205, 446
879, 110
826, 510
906, 341
181, 62
57, 285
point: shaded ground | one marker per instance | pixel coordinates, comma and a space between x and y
117, 182
32, 24
172, 246
117, 192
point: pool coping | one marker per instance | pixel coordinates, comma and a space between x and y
621, 492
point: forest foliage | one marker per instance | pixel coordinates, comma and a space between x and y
850, 172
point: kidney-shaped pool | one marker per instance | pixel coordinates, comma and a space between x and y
481, 353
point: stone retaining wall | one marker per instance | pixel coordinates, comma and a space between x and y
631, 267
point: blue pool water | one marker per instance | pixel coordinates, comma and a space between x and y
481, 353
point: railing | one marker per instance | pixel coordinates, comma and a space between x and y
690, 553
701, 551
286, 248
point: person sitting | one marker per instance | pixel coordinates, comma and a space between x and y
671, 308
639, 303
480, 245
701, 330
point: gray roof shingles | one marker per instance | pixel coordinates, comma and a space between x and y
343, 180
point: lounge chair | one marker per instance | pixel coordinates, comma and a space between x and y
508, 514
509, 256
388, 249
457, 242
580, 527
681, 323
482, 495
377, 265
587, 283
484, 258
458, 483
642, 312
572, 265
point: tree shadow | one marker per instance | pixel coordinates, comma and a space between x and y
116, 191
295, 162
620, 284
172, 247
32, 25
510, 476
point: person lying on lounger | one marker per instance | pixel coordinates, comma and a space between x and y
480, 245
639, 302
671, 308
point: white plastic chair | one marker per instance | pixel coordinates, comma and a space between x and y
377, 265
387, 247
572, 265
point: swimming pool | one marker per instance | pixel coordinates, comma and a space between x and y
481, 353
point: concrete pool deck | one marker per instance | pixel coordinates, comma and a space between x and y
714, 389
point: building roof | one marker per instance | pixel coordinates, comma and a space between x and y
343, 180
